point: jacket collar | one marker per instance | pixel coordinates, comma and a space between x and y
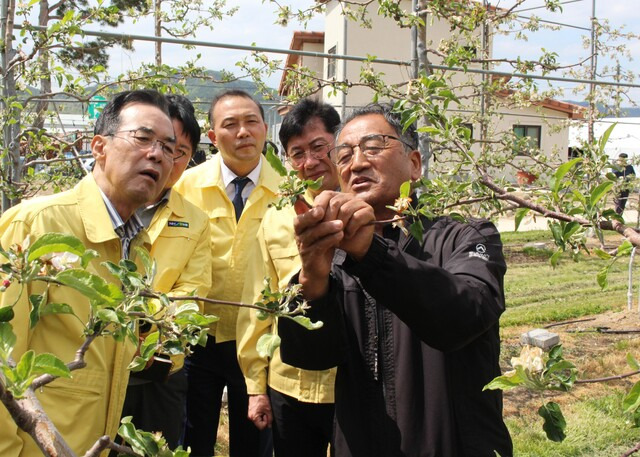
95, 218
93, 212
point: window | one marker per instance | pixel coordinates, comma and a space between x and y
331, 64
531, 132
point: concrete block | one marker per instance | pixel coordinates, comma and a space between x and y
541, 338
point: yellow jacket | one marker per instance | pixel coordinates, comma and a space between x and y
230, 241
275, 256
89, 405
181, 245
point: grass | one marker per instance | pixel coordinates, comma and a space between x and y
537, 294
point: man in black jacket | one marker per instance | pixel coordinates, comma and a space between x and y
415, 330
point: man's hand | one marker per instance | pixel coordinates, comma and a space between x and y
356, 216
260, 411
336, 220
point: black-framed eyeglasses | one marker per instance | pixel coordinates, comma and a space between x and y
144, 139
369, 145
318, 150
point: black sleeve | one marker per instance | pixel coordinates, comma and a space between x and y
319, 349
451, 294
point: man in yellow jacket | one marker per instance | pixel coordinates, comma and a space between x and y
181, 246
299, 403
234, 189
133, 148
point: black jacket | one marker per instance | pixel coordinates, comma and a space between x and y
415, 338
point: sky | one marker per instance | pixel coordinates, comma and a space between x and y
255, 23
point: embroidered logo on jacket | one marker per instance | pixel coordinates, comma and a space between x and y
480, 252
178, 224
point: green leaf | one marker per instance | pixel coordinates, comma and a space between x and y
554, 422
137, 364
633, 363
148, 346
602, 254
6, 313
625, 248
108, 315
56, 308
36, 301
504, 382
561, 172
50, 364
87, 257
24, 367
520, 214
601, 277
275, 162
405, 189
602, 142
306, 322
7, 340
267, 344
91, 286
55, 242
555, 257
599, 192
416, 230
147, 261
631, 401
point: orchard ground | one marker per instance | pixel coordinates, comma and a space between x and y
537, 296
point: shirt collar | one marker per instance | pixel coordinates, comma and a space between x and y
124, 230
228, 175
146, 213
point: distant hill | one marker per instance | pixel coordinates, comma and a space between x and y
610, 110
199, 91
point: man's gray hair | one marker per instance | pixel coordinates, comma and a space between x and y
408, 136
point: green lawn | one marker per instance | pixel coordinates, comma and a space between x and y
537, 294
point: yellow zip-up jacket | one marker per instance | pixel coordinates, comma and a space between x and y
88, 405
230, 241
275, 256
181, 245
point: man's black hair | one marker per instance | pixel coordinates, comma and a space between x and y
232, 93
182, 110
296, 120
408, 136
109, 120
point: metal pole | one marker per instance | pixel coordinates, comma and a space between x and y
432, 66
11, 150
343, 111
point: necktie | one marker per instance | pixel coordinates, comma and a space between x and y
237, 201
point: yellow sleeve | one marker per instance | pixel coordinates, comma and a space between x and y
249, 328
11, 443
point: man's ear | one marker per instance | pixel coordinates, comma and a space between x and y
212, 136
416, 164
98, 144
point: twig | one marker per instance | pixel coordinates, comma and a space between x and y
105, 442
631, 451
557, 324
76, 364
609, 378
148, 294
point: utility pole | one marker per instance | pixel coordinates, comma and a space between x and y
592, 76
420, 64
158, 30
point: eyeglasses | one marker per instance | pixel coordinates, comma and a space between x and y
144, 139
318, 151
370, 146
